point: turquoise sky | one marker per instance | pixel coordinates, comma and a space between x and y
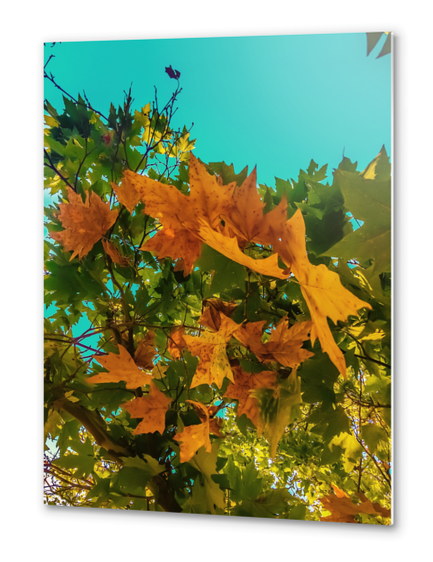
275, 101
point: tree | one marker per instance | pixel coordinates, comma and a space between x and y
235, 357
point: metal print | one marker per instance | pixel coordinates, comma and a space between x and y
218, 276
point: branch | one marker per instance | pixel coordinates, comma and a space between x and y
94, 424
52, 167
87, 105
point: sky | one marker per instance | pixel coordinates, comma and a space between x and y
273, 101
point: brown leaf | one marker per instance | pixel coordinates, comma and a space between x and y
152, 408
211, 317
146, 351
114, 254
120, 368
84, 223
321, 288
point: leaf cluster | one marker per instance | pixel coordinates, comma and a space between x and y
212, 346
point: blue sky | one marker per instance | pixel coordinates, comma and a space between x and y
272, 101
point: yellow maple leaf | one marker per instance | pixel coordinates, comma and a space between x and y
321, 288
152, 408
210, 347
84, 223
229, 247
120, 368
195, 436
113, 252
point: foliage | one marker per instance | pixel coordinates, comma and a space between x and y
212, 345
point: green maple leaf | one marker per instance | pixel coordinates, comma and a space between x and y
368, 197
207, 496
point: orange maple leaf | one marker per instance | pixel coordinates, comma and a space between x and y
343, 509
127, 193
152, 408
113, 252
209, 199
176, 342
283, 346
210, 347
321, 288
120, 368
146, 351
246, 217
187, 220
211, 317
241, 388
195, 436
172, 209
178, 244
84, 223
229, 247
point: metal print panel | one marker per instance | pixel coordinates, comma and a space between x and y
218, 276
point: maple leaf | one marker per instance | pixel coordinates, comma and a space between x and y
120, 368
246, 217
276, 408
211, 317
207, 496
180, 245
114, 254
209, 199
146, 351
158, 372
127, 193
343, 509
250, 333
176, 342
210, 347
241, 389
173, 210
195, 436
284, 344
152, 408
84, 223
321, 288
229, 247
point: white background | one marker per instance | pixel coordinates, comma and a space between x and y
29, 528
